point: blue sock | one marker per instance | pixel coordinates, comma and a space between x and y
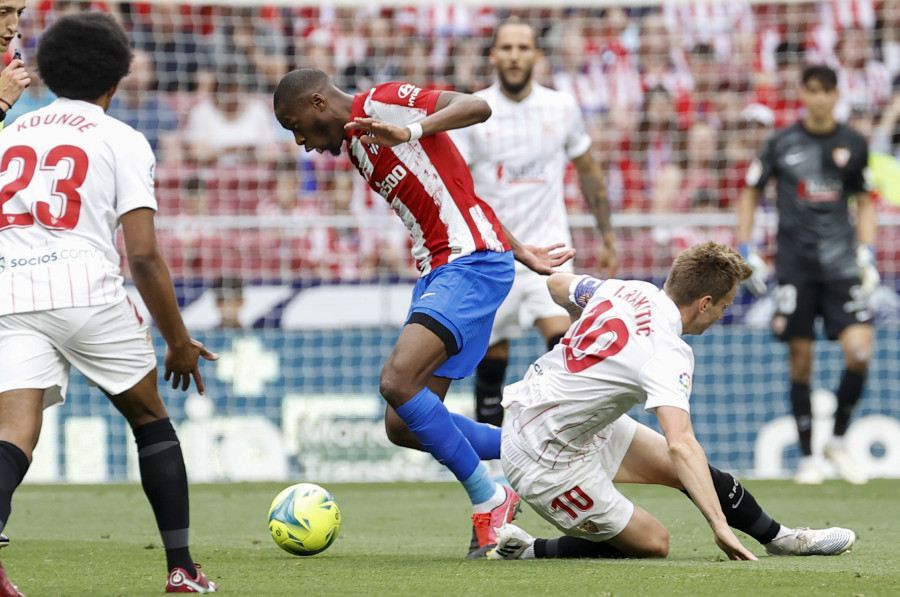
485, 438
479, 485
430, 421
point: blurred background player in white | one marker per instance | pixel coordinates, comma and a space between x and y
567, 438
14, 78
823, 267
395, 136
74, 174
518, 159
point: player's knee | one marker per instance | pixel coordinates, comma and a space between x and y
393, 387
653, 545
858, 357
801, 373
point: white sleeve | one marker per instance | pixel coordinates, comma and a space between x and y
668, 379
199, 121
577, 139
462, 138
135, 169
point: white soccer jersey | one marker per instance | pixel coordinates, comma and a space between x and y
626, 349
518, 159
67, 173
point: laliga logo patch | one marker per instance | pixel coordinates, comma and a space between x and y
685, 380
840, 155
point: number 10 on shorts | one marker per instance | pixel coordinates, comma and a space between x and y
571, 500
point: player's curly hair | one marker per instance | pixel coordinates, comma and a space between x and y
83, 55
705, 269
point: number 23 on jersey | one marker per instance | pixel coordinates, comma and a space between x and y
70, 163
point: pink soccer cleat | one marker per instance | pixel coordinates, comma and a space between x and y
181, 582
485, 525
7, 589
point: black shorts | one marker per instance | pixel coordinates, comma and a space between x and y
840, 303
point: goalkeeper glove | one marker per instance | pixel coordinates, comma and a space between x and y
756, 283
868, 273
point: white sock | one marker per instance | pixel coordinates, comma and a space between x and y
783, 532
498, 498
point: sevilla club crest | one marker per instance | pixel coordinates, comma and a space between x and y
840, 155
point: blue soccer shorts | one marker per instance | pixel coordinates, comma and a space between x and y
463, 296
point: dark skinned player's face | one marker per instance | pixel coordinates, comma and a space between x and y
313, 129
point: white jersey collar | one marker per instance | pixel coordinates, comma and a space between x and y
670, 312
77, 104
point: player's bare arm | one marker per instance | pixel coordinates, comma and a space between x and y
452, 111
153, 281
866, 219
746, 210
539, 259
559, 285
866, 233
593, 187
692, 468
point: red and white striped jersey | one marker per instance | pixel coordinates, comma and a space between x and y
426, 182
67, 173
712, 23
518, 158
625, 349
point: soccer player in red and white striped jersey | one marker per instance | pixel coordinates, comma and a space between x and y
395, 135
518, 160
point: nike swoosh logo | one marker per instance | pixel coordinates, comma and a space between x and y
794, 158
738, 503
427, 294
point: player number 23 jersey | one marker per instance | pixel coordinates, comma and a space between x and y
67, 173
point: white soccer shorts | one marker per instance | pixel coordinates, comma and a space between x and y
109, 344
580, 499
528, 300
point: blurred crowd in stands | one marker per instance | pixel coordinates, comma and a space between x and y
677, 97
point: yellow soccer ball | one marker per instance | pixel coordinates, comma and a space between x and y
304, 519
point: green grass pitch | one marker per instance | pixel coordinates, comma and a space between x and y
410, 539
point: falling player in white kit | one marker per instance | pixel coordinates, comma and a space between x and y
70, 175
567, 439
518, 159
